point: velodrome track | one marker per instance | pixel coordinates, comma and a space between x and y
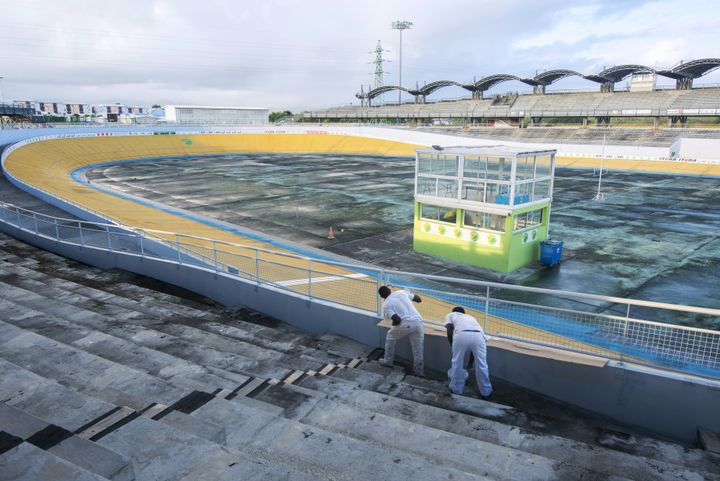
48, 165
660, 167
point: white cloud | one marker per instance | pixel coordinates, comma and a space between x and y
311, 53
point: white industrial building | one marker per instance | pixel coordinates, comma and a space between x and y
216, 115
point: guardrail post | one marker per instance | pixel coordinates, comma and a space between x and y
36, 224
487, 308
309, 279
257, 266
624, 336
177, 247
109, 241
378, 281
215, 255
82, 239
57, 230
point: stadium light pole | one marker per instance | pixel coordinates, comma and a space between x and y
401, 25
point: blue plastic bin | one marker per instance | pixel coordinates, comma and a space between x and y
551, 251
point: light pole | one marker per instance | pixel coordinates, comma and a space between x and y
1, 93
401, 25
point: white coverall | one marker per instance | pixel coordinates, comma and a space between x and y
411, 326
468, 336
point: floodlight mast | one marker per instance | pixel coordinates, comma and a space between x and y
401, 25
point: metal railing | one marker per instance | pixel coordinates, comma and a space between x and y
620, 329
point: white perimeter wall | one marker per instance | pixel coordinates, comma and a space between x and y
704, 150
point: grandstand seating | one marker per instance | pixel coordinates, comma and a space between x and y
697, 99
635, 136
656, 103
192, 391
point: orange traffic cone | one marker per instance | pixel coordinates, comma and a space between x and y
331, 234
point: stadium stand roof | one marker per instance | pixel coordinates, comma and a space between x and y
683, 73
692, 69
371, 94
491, 80
618, 72
552, 76
433, 86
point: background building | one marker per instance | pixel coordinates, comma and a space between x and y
216, 115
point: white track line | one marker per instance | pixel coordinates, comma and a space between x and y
295, 282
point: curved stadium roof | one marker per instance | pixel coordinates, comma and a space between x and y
691, 69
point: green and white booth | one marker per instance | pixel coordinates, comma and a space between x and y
484, 206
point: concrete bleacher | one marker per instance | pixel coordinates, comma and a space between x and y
108, 375
561, 104
704, 98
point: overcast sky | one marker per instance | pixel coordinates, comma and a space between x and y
297, 54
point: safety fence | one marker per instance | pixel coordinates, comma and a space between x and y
620, 329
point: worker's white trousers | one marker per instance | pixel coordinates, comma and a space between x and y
474, 342
415, 332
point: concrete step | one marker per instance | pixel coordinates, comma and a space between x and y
82, 371
441, 447
364, 379
49, 285
29, 463
568, 425
162, 453
76, 411
48, 400
111, 280
156, 363
342, 346
158, 304
195, 345
535, 441
276, 404
65, 445
320, 453
394, 374
268, 338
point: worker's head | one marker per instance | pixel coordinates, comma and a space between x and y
384, 291
458, 309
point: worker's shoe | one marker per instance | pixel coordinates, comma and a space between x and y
489, 397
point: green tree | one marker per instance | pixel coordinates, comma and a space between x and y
274, 116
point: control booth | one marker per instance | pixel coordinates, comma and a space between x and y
485, 206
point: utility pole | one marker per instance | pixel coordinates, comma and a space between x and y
401, 25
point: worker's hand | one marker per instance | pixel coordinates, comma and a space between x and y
417, 299
396, 320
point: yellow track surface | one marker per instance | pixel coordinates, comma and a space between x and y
47, 165
642, 165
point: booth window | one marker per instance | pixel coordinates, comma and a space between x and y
441, 214
484, 220
528, 219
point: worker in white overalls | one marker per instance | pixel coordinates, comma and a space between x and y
406, 322
465, 334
